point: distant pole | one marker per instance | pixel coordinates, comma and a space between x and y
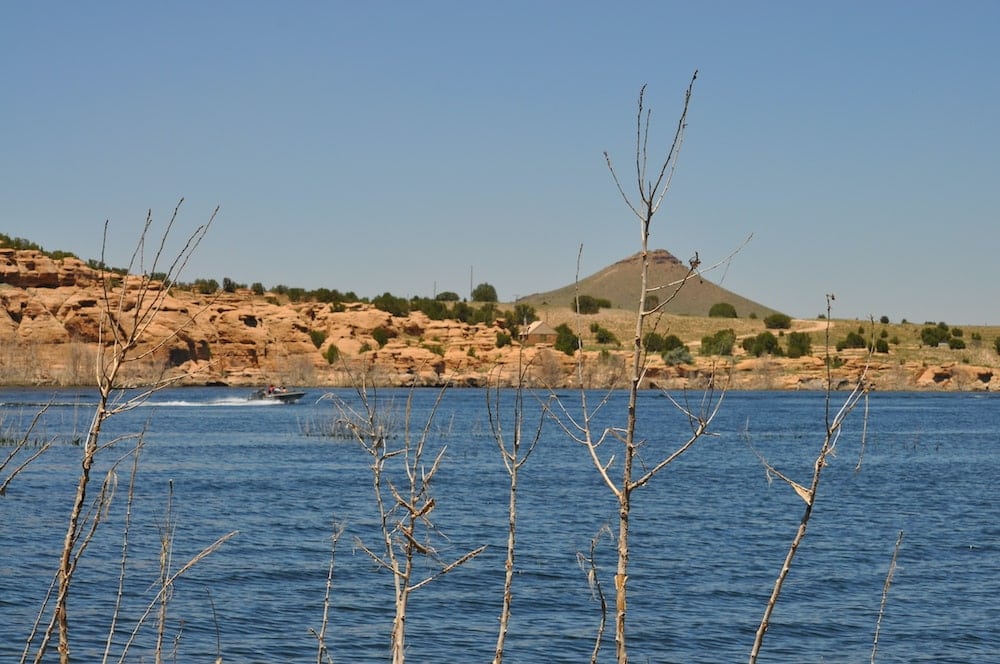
470, 282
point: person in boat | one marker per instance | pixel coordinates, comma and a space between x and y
270, 389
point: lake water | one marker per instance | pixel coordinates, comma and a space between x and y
708, 539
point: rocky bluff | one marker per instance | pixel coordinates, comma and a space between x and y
50, 327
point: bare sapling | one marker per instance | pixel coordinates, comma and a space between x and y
322, 650
885, 594
135, 453
588, 563
834, 422
514, 451
166, 582
404, 505
624, 461
11, 465
130, 308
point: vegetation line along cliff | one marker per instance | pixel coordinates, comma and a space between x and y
50, 312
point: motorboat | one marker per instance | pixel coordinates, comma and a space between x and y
278, 394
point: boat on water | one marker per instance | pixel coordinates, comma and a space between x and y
281, 395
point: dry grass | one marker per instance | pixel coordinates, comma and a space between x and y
691, 329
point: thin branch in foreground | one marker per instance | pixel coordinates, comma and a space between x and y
322, 652
588, 563
168, 584
885, 593
834, 426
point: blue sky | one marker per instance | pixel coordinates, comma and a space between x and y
417, 147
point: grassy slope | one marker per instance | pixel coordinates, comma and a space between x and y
691, 329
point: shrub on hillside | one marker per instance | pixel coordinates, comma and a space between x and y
933, 336
764, 343
484, 293
799, 344
657, 343
524, 314
720, 343
433, 309
206, 286
566, 341
389, 303
318, 337
332, 354
381, 335
777, 322
722, 310
677, 356
603, 335
587, 304
853, 340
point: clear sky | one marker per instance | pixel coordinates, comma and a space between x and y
418, 147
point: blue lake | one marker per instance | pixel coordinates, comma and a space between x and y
708, 534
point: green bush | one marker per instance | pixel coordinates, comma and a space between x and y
881, 346
332, 354
799, 344
764, 343
853, 340
585, 304
484, 293
503, 339
230, 286
381, 335
485, 314
257, 288
654, 343
996, 345
462, 312
433, 309
956, 343
657, 343
389, 303
722, 310
720, 343
524, 314
318, 337
777, 322
566, 341
447, 296
603, 335
676, 356
206, 286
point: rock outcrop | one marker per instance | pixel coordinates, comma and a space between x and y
50, 327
